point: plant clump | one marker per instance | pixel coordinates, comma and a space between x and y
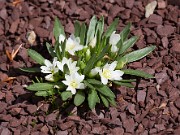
87, 63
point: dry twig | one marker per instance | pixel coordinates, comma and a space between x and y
13, 54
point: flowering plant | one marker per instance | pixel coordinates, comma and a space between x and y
87, 63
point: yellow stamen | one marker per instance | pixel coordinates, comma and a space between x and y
106, 73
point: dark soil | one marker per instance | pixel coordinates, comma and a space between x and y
152, 108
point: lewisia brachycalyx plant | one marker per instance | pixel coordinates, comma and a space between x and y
87, 63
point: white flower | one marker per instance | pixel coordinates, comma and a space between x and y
71, 65
114, 39
74, 81
49, 67
93, 42
73, 45
61, 38
108, 73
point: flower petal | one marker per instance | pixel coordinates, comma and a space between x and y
47, 63
60, 66
45, 69
113, 65
56, 70
78, 47
116, 75
104, 80
68, 77
66, 82
72, 67
106, 66
54, 61
73, 91
79, 78
72, 52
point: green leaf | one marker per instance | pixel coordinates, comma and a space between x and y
92, 98
31, 70
98, 42
44, 93
119, 45
58, 29
92, 88
128, 44
60, 85
77, 28
79, 98
91, 29
66, 95
123, 84
50, 50
137, 55
93, 81
89, 85
98, 99
90, 64
137, 73
36, 56
38, 80
83, 34
126, 81
111, 28
106, 91
100, 26
40, 86
63, 46
125, 32
112, 101
104, 100
103, 53
57, 50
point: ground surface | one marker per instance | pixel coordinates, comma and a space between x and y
151, 109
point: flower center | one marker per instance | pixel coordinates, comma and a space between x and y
71, 46
74, 84
52, 70
106, 73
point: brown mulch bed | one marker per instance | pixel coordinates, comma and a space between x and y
152, 108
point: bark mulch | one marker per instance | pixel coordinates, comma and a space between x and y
152, 108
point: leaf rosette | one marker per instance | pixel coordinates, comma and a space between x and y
87, 63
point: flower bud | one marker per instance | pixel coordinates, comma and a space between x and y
99, 64
88, 54
53, 77
120, 64
61, 38
82, 65
93, 42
